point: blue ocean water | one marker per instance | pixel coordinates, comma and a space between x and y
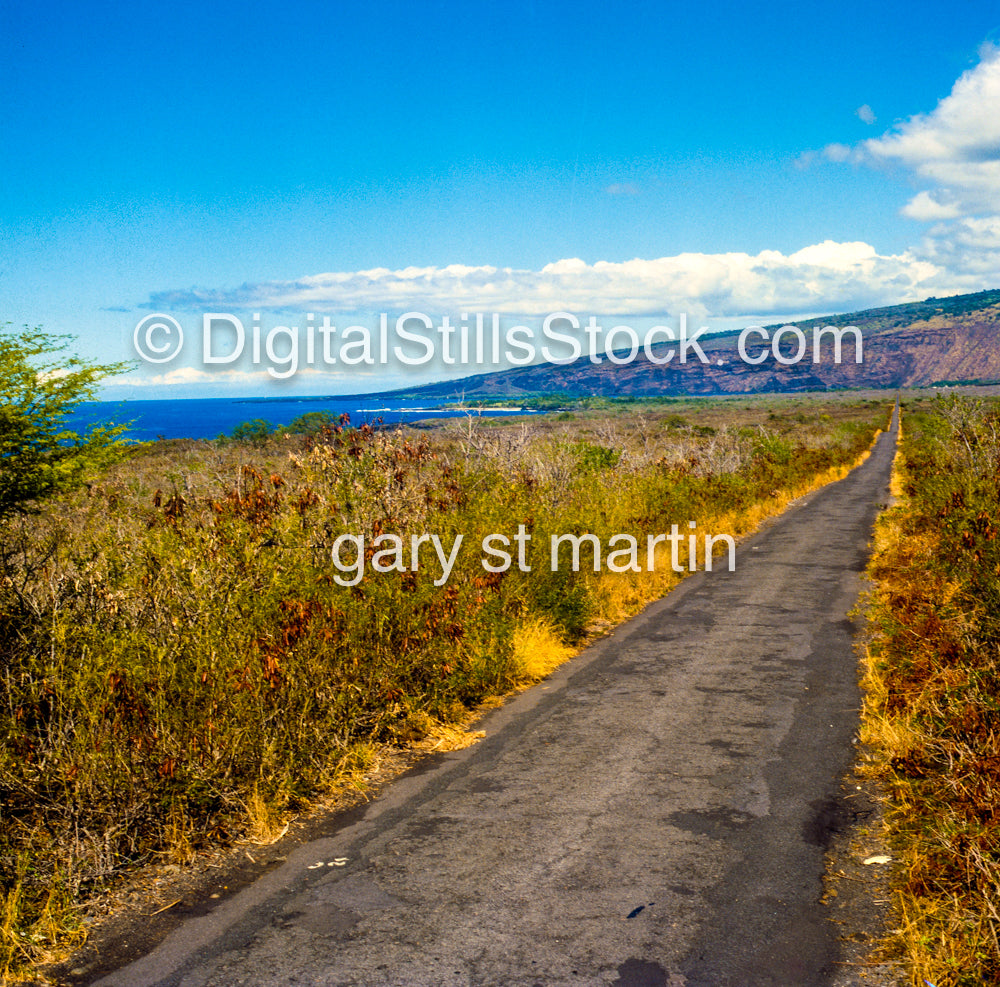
207, 418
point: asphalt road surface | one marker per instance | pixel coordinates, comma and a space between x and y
655, 813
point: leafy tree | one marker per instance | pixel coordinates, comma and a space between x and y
255, 431
40, 384
311, 422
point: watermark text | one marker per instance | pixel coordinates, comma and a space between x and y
683, 551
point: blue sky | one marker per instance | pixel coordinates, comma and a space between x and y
734, 162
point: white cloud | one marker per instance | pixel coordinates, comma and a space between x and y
823, 277
866, 114
622, 188
955, 148
927, 206
177, 376
969, 249
952, 154
185, 375
837, 152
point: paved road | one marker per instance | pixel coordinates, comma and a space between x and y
654, 814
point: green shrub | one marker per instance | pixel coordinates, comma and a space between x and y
255, 431
39, 387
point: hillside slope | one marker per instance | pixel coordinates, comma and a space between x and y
936, 341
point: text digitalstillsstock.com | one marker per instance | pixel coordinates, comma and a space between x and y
415, 339
621, 553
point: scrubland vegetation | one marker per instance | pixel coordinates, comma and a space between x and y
182, 670
932, 714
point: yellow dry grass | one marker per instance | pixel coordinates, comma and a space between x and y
265, 824
943, 936
538, 649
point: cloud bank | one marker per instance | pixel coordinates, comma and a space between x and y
955, 148
823, 277
954, 153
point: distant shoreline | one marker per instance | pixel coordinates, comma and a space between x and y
208, 418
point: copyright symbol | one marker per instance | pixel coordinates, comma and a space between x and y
146, 339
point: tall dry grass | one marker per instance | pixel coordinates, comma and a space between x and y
932, 681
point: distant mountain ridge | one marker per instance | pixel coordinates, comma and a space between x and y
935, 341
893, 317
